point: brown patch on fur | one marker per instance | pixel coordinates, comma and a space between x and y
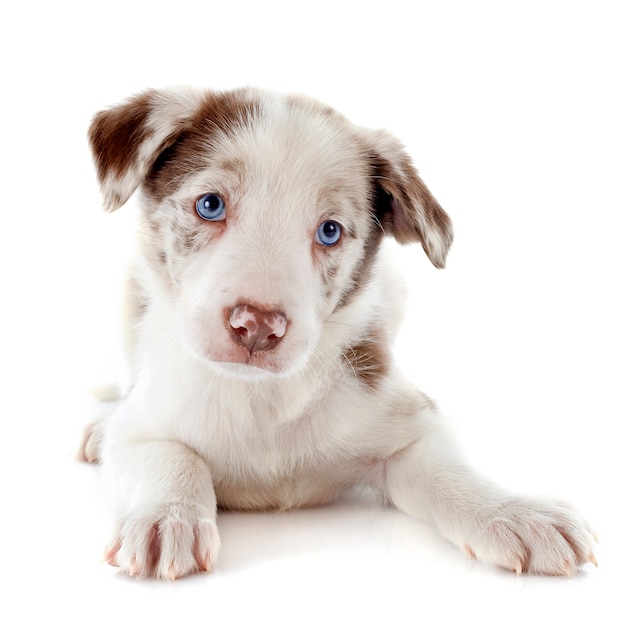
227, 112
219, 114
117, 134
362, 272
405, 206
408, 190
369, 360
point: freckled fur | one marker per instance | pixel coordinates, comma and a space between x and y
209, 422
370, 360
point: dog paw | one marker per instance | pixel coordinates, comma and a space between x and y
171, 542
91, 442
534, 536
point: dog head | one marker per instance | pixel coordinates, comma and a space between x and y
262, 215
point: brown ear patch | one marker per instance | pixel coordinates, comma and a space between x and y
117, 134
404, 205
151, 131
369, 360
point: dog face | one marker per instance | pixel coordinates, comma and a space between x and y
261, 215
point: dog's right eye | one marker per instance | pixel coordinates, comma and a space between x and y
211, 207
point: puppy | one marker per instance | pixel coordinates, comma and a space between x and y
261, 310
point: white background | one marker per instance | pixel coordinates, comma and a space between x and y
514, 114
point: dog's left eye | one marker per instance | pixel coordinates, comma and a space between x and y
211, 207
328, 233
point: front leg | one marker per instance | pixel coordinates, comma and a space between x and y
428, 480
166, 524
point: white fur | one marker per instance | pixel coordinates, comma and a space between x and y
293, 426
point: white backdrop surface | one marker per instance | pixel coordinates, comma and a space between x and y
514, 114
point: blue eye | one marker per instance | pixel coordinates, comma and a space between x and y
211, 207
328, 233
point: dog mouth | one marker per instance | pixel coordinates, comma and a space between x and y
256, 365
252, 369
239, 362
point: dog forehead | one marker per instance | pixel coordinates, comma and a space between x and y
270, 147
294, 141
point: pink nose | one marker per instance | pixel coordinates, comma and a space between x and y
255, 329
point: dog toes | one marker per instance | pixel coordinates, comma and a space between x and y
523, 535
167, 544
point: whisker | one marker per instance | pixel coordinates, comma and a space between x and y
341, 324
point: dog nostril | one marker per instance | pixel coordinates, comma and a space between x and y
257, 329
239, 332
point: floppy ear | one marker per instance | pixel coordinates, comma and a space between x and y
127, 139
404, 205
